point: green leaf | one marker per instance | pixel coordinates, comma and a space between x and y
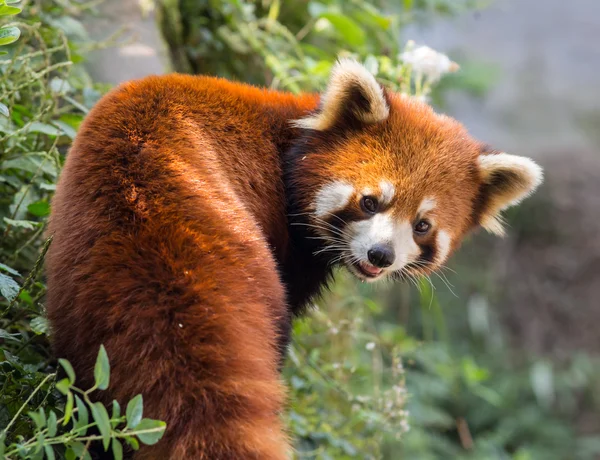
116, 413
68, 369
64, 386
9, 288
39, 418
6, 268
39, 438
7, 336
82, 415
117, 449
4, 110
103, 421
39, 208
26, 224
133, 443
44, 186
134, 411
102, 369
154, 436
70, 454
68, 408
6, 10
39, 325
66, 129
25, 296
44, 128
79, 450
34, 163
49, 452
9, 35
52, 424
352, 33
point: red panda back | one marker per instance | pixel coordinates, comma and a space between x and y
161, 253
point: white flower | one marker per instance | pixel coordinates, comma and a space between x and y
370, 346
404, 426
428, 62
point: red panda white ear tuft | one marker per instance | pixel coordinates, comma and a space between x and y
352, 92
507, 179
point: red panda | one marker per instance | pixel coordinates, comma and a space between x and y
195, 217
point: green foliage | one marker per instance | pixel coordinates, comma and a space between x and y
291, 45
69, 431
44, 95
365, 386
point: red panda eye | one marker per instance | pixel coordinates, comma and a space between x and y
422, 227
369, 204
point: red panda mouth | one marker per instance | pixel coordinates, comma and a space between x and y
368, 270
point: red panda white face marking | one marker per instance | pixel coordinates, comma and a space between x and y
428, 204
333, 197
387, 191
443, 246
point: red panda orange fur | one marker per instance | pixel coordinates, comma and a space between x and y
163, 258
172, 246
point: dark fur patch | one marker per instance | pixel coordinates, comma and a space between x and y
427, 253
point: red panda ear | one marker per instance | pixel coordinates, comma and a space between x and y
507, 179
352, 95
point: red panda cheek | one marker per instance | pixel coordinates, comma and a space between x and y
444, 246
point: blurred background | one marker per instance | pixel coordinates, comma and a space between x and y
495, 357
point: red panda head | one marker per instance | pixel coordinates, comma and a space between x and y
388, 187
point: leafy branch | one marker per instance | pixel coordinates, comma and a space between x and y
80, 415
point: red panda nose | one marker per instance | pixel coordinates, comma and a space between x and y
381, 255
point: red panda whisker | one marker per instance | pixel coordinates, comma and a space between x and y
330, 245
412, 279
317, 218
329, 224
335, 235
437, 273
448, 285
331, 228
325, 238
338, 217
330, 249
